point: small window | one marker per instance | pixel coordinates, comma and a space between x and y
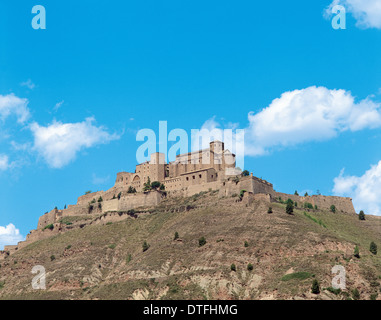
194, 177
187, 178
200, 175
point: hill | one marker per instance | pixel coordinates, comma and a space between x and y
96, 258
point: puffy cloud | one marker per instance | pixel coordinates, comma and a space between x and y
298, 116
366, 12
12, 105
365, 190
9, 235
59, 143
311, 114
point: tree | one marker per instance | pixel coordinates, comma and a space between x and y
233, 267
333, 209
289, 201
296, 193
270, 210
306, 194
373, 248
155, 185
242, 192
361, 215
176, 236
315, 287
119, 195
201, 241
245, 173
145, 246
162, 187
131, 190
357, 252
289, 208
250, 267
100, 199
246, 244
147, 185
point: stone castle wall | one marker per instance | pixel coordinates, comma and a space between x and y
322, 202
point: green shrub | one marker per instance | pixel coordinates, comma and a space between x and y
308, 205
246, 244
49, 226
68, 247
334, 291
333, 209
270, 210
108, 223
131, 190
201, 241
52, 257
233, 267
289, 208
87, 192
176, 236
100, 199
296, 193
373, 296
145, 246
129, 258
373, 248
245, 173
296, 275
361, 215
250, 267
119, 195
2, 283
357, 252
155, 185
315, 287
241, 193
112, 246
355, 294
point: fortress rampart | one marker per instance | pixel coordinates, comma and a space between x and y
189, 174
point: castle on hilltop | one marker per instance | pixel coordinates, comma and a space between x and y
208, 170
189, 169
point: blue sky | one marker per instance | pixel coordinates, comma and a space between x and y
73, 96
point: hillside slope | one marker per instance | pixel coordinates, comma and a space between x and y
106, 261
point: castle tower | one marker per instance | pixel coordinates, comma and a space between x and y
216, 154
157, 167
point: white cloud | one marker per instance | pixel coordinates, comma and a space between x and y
59, 142
4, 162
12, 105
365, 190
58, 105
311, 114
299, 116
28, 84
366, 12
9, 235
